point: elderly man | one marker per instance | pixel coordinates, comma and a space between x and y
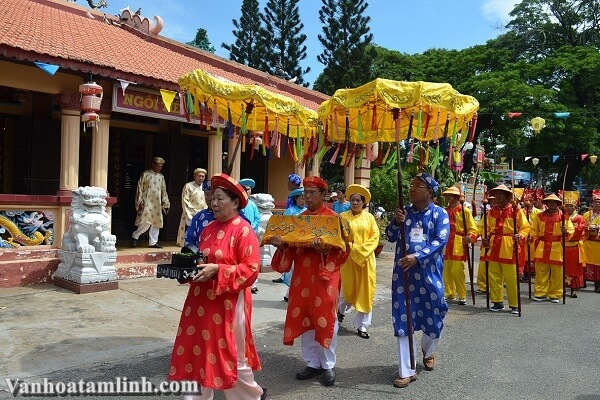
192, 201
151, 202
314, 291
201, 219
426, 228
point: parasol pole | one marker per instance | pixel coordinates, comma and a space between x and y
409, 322
564, 239
466, 250
516, 245
484, 203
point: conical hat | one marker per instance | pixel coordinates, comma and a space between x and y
452, 190
552, 197
503, 188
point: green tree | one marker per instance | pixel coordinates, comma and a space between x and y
248, 48
284, 41
201, 41
347, 50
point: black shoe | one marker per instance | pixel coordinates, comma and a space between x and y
363, 334
309, 372
156, 246
278, 280
328, 377
133, 242
254, 289
285, 299
263, 396
340, 317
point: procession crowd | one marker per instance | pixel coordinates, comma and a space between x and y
332, 271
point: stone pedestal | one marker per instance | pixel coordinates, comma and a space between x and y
80, 271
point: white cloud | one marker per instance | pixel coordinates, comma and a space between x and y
498, 10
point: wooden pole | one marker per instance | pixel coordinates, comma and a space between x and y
466, 250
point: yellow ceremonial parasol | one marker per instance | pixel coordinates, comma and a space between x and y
252, 108
249, 106
383, 110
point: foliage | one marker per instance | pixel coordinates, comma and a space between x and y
248, 48
283, 40
347, 50
382, 224
201, 41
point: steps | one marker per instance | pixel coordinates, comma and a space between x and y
27, 266
132, 264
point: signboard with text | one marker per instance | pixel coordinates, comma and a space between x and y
147, 102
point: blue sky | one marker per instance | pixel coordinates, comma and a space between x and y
414, 28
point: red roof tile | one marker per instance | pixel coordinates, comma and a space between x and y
62, 33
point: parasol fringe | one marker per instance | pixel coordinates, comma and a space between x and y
335, 154
359, 160
374, 118
361, 136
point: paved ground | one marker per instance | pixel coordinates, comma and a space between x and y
551, 352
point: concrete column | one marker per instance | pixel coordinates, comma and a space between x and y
349, 173
300, 171
69, 143
215, 155
314, 171
235, 172
362, 175
99, 164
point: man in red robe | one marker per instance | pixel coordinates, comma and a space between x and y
314, 291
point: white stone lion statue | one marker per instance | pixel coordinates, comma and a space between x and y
89, 229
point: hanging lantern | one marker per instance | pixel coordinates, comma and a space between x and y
91, 98
537, 124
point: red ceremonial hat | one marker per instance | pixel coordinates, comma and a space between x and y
315, 181
528, 194
539, 194
595, 194
226, 182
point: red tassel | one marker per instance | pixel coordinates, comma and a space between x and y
374, 119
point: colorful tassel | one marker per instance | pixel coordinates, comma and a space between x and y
335, 154
361, 136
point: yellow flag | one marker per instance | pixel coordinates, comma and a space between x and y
167, 98
502, 159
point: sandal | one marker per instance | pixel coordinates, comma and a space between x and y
363, 334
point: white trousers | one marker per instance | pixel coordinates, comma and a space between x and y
154, 230
362, 321
246, 388
315, 355
427, 344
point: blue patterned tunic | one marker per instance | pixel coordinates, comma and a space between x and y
428, 305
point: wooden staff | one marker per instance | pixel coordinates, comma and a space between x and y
516, 245
564, 239
409, 321
466, 250
484, 202
528, 252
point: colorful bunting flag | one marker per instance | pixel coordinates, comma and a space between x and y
47, 68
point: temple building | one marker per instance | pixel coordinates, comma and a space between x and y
48, 49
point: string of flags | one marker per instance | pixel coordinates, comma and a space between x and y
535, 159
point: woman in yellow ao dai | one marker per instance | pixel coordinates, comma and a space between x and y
358, 273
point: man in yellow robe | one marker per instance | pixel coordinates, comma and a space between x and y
456, 252
591, 244
547, 231
500, 243
192, 202
358, 273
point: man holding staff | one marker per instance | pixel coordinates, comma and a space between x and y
463, 231
500, 241
427, 229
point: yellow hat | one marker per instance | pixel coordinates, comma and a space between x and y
158, 160
552, 197
358, 189
452, 190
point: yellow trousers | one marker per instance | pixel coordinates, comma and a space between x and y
454, 280
548, 280
481, 283
500, 274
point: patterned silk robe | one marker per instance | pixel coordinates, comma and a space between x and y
192, 201
426, 287
314, 289
205, 347
152, 191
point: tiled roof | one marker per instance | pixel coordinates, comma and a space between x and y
82, 39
